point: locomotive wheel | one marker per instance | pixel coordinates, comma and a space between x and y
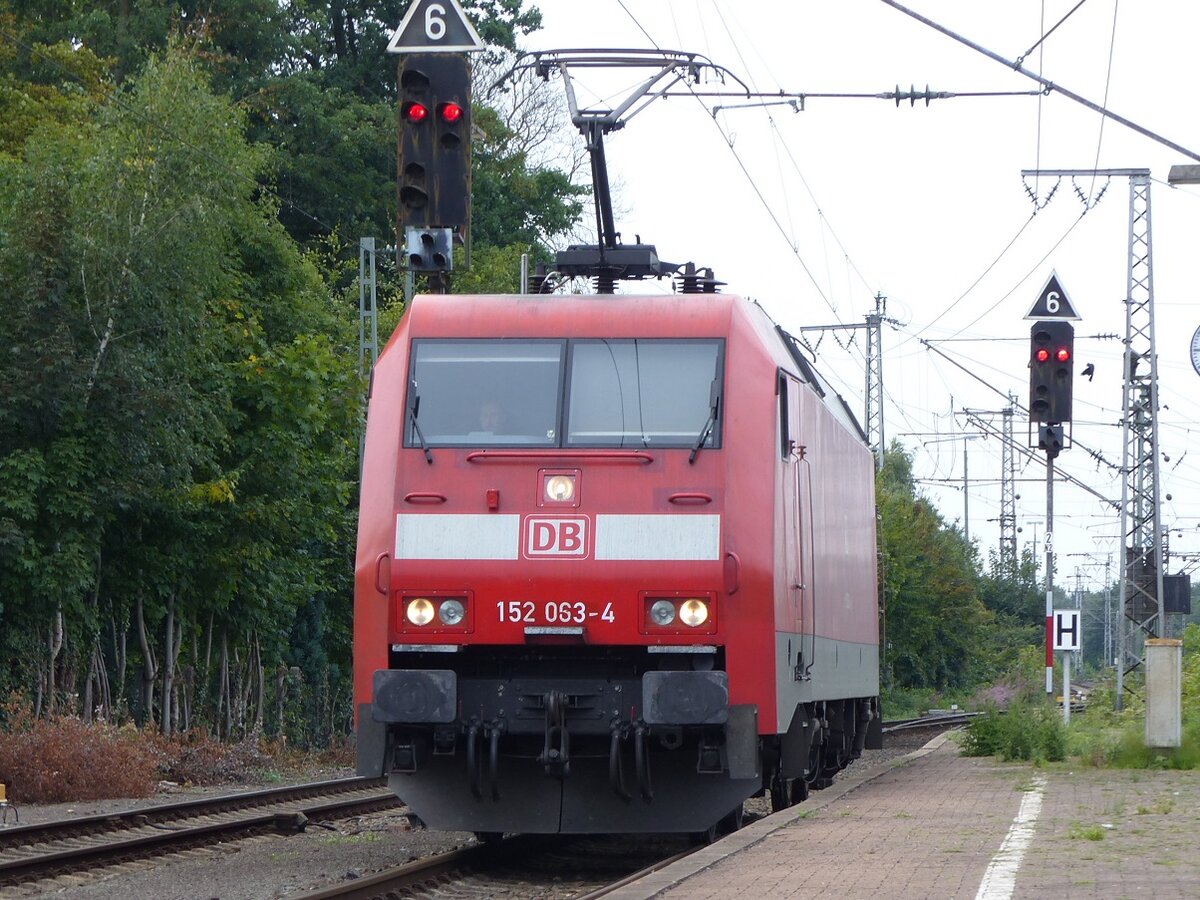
489, 837
799, 791
779, 793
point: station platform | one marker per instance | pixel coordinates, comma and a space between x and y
937, 824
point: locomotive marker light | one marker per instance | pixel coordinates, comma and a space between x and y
662, 612
419, 611
693, 613
451, 612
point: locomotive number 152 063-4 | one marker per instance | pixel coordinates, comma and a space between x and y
553, 612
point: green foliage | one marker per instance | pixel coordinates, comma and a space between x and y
180, 422
1029, 732
512, 202
934, 619
42, 83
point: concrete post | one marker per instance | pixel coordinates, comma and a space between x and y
1164, 676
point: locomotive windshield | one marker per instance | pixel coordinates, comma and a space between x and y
609, 393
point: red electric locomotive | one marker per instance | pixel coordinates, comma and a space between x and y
616, 565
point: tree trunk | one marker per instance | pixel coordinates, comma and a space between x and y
122, 657
149, 666
260, 673
168, 669
102, 683
87, 689
54, 646
281, 691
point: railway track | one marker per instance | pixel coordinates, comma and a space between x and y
520, 868
938, 720
34, 852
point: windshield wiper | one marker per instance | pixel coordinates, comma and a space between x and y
714, 406
414, 404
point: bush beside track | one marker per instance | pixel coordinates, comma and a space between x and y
1099, 736
64, 759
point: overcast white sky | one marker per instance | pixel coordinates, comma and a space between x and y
921, 203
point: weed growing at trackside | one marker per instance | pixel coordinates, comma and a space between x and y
1020, 732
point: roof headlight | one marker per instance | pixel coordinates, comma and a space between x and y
693, 612
560, 488
419, 611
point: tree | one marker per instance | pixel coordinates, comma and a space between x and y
934, 619
178, 411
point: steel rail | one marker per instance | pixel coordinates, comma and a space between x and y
285, 816
432, 869
40, 833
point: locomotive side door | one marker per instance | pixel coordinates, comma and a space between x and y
793, 491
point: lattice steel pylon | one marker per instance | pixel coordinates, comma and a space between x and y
874, 386
1008, 494
1141, 514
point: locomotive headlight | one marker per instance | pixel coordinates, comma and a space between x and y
451, 612
419, 611
560, 488
662, 612
693, 612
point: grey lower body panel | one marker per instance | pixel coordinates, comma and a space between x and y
583, 802
809, 669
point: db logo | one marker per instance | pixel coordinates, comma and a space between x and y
555, 537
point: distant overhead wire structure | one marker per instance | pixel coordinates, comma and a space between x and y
1046, 83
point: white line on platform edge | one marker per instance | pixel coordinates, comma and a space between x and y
1000, 879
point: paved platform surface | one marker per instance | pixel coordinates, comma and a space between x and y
937, 824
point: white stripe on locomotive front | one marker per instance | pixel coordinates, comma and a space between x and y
450, 536
618, 537
692, 537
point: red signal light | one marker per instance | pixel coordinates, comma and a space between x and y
450, 112
1042, 354
415, 112
1062, 354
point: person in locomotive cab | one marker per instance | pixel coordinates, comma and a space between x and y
491, 417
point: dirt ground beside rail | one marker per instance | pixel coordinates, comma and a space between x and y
279, 866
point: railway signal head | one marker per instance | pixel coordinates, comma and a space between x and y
430, 249
434, 141
1051, 371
